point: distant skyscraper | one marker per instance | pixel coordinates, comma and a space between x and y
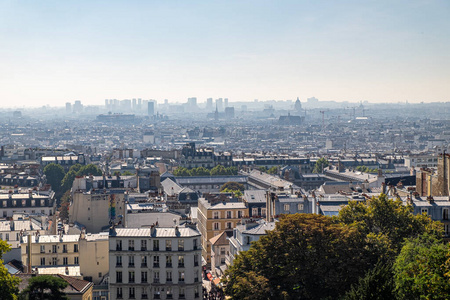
229, 112
68, 107
209, 104
151, 108
192, 103
139, 104
219, 104
78, 107
226, 102
133, 104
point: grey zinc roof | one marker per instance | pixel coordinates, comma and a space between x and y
255, 196
160, 232
261, 229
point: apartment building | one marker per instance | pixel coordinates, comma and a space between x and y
155, 263
30, 202
216, 216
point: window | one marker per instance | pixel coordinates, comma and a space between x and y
445, 214
131, 293
216, 226
222, 250
118, 261
286, 207
195, 260
229, 214
75, 260
424, 211
229, 225
446, 229
168, 261
75, 248
254, 211
130, 245
156, 293
196, 277
181, 294
195, 244
99, 274
143, 277
168, 245
216, 215
222, 260
119, 245
64, 248
65, 261
239, 214
196, 294
169, 276
143, 261
143, 245
144, 293
42, 248
119, 293
263, 212
131, 276
119, 276
181, 245
42, 261
156, 261
180, 276
180, 261
300, 207
54, 261
156, 276
169, 293
54, 250
155, 245
131, 261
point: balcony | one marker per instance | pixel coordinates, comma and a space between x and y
156, 296
130, 248
180, 265
168, 265
144, 296
168, 248
195, 263
155, 248
143, 265
131, 265
180, 248
118, 248
155, 280
143, 248
155, 265
119, 265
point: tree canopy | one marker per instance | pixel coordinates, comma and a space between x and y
232, 185
321, 164
55, 174
369, 251
45, 287
9, 284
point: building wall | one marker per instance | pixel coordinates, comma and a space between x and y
94, 258
93, 210
158, 279
213, 220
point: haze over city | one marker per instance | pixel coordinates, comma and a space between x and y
53, 52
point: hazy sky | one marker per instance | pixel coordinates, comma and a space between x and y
52, 52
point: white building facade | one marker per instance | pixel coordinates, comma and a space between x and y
155, 263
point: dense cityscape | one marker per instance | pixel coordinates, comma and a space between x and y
138, 199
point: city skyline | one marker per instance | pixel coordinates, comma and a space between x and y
374, 51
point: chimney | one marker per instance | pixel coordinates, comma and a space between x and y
430, 188
383, 188
153, 230
29, 260
30, 194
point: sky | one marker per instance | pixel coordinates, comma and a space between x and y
53, 52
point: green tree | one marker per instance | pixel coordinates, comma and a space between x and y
9, 284
66, 183
55, 174
377, 284
232, 185
232, 170
236, 193
320, 165
64, 208
306, 256
219, 170
127, 173
75, 168
273, 170
421, 271
181, 172
200, 171
89, 169
262, 169
46, 287
387, 223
